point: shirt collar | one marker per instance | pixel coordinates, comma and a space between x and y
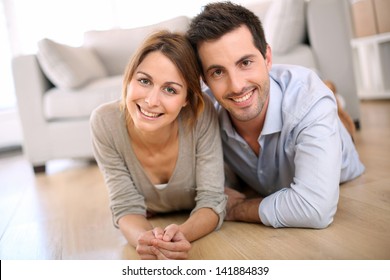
273, 119
225, 123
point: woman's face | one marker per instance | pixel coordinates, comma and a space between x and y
156, 93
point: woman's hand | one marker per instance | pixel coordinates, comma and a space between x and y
173, 244
161, 244
154, 243
144, 246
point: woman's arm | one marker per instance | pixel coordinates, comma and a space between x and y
199, 224
210, 179
107, 130
133, 226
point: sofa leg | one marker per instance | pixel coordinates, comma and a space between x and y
357, 124
39, 168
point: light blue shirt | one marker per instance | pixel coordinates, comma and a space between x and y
305, 152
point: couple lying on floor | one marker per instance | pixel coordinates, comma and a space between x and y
167, 146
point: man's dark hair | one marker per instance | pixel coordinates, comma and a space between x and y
217, 19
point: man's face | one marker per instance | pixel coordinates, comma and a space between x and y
237, 73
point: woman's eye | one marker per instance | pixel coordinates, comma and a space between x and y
170, 90
144, 81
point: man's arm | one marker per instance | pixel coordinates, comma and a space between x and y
239, 208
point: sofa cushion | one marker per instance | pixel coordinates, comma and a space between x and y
116, 46
259, 8
69, 67
284, 25
299, 55
79, 103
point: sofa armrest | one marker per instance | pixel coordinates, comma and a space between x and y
30, 86
330, 34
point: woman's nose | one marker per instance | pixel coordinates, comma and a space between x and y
152, 98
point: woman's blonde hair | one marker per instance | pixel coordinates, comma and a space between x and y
176, 48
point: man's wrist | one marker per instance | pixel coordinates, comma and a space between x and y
247, 211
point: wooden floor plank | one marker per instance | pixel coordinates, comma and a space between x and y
64, 214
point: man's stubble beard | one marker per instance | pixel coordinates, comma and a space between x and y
254, 110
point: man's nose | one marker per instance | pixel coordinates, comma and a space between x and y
236, 83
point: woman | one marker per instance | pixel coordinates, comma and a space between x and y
159, 150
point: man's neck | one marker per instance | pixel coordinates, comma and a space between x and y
251, 130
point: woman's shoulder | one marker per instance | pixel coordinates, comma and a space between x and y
208, 117
107, 111
111, 107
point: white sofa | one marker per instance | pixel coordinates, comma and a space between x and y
58, 88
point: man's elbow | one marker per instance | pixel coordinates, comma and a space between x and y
313, 219
322, 218
322, 222
319, 217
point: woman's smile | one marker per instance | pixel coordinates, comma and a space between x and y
148, 114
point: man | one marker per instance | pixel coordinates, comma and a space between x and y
279, 125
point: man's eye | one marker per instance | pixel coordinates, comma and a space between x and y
246, 63
217, 73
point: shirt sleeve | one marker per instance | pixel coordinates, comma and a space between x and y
124, 198
209, 164
311, 199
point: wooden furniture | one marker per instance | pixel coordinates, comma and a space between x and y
371, 56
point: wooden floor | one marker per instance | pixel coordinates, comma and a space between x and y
64, 214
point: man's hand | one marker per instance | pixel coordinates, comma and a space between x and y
234, 198
240, 208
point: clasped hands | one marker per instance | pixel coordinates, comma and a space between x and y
163, 244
